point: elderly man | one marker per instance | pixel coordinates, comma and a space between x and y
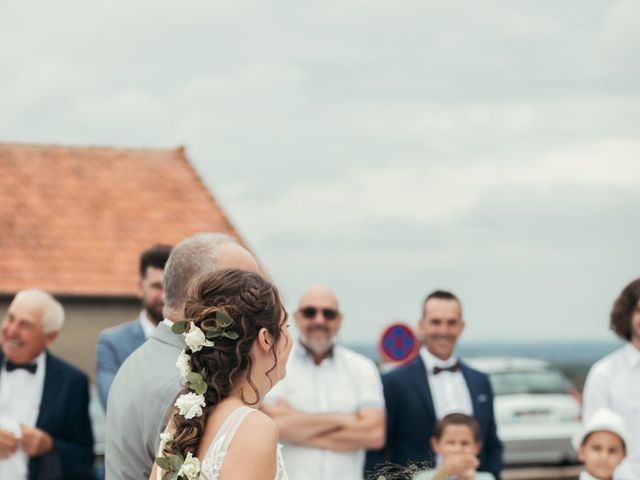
45, 431
433, 385
330, 406
613, 381
148, 381
115, 344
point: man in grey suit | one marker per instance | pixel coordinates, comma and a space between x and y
115, 344
148, 381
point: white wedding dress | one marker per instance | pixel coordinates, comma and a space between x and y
214, 458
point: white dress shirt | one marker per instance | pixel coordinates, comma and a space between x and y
20, 396
344, 382
449, 391
614, 382
147, 325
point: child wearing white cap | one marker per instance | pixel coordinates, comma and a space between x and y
601, 445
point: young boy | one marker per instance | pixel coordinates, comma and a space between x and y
456, 441
601, 445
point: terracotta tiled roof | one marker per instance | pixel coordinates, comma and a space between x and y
74, 221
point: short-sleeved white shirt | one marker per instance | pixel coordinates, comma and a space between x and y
344, 382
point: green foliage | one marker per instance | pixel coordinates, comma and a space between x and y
196, 383
179, 327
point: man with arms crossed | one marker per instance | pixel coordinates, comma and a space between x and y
148, 381
433, 385
330, 406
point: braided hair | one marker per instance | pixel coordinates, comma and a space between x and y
252, 303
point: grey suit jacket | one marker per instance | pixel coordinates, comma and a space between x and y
143, 390
115, 344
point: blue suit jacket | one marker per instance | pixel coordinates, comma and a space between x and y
115, 344
411, 417
64, 414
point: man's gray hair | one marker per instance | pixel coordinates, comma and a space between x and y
51, 310
189, 260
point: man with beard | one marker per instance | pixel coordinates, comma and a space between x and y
612, 381
117, 343
329, 407
433, 385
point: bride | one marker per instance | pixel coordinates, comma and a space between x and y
238, 343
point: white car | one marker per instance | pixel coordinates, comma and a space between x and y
537, 409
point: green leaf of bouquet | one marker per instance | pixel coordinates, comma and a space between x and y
224, 319
175, 461
173, 476
231, 335
163, 463
179, 327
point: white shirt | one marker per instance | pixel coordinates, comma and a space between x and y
449, 391
586, 476
344, 382
147, 325
614, 382
20, 396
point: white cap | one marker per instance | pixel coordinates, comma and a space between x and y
603, 420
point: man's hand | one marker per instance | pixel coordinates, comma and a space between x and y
8, 444
35, 442
461, 464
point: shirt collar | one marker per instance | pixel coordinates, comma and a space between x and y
39, 361
632, 354
586, 476
304, 352
431, 360
147, 325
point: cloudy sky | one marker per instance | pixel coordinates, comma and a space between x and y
383, 148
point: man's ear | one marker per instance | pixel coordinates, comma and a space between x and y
50, 337
139, 293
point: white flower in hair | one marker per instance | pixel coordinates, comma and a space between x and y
190, 405
166, 437
190, 468
196, 339
184, 364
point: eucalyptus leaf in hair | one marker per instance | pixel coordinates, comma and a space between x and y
224, 319
231, 335
163, 463
196, 383
216, 328
179, 327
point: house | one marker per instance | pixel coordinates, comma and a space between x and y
74, 220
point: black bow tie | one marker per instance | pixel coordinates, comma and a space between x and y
453, 368
29, 367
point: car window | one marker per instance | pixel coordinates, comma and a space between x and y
529, 382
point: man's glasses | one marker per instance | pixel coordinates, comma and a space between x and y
311, 312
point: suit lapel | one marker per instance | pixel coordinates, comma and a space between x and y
472, 385
48, 392
419, 377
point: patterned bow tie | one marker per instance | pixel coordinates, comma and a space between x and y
453, 368
29, 367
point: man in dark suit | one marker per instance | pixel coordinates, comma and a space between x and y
45, 431
115, 344
434, 384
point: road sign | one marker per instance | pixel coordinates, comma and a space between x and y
398, 344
